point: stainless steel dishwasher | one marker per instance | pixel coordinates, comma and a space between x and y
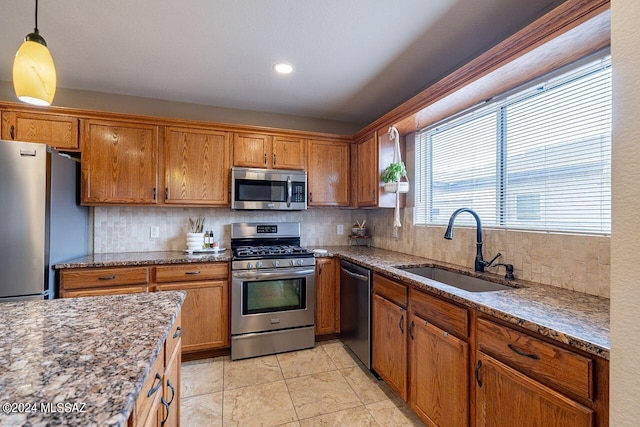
355, 310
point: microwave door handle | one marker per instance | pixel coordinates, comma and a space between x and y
288, 191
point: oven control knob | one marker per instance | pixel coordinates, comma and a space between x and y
292, 262
259, 264
276, 263
299, 262
249, 265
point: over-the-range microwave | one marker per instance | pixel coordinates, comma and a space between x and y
268, 189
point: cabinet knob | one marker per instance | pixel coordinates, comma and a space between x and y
274, 158
166, 193
11, 132
311, 197
154, 194
265, 158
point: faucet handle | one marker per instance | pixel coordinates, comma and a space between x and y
489, 263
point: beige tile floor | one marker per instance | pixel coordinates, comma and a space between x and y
322, 386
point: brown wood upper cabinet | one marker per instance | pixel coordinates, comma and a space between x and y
119, 163
267, 151
58, 131
196, 166
372, 155
366, 172
328, 177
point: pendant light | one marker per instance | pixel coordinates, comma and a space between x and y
34, 75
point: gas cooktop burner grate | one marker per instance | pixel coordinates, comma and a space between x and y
251, 251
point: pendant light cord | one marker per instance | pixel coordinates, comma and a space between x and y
36, 28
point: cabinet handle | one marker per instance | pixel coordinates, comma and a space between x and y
11, 132
411, 330
320, 270
401, 324
178, 332
310, 196
265, 158
166, 193
522, 353
173, 391
193, 272
106, 278
155, 388
154, 194
274, 159
478, 366
166, 406
373, 195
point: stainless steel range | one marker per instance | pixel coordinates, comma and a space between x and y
272, 290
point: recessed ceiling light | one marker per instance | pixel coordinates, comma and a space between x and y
283, 68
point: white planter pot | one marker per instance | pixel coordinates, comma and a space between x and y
396, 187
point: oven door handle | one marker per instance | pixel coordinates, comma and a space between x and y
272, 274
288, 191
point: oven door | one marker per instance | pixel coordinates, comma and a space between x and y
267, 300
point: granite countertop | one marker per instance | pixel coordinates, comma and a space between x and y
125, 259
577, 319
91, 354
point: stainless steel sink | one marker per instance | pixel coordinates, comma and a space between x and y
461, 281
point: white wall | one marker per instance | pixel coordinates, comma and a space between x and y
625, 238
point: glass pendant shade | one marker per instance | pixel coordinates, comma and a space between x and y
34, 74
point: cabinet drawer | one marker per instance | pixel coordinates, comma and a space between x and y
387, 288
539, 359
173, 339
190, 272
446, 316
81, 278
151, 389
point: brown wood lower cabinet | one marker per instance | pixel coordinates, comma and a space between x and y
327, 310
158, 403
389, 358
439, 391
205, 314
205, 311
506, 397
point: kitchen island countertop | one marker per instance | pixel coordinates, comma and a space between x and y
80, 361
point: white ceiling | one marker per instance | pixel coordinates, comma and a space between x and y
354, 59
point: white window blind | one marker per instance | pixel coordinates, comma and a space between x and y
537, 159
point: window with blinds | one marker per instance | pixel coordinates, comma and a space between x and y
536, 159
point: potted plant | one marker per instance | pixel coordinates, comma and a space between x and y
391, 177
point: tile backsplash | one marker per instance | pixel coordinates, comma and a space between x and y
128, 229
576, 262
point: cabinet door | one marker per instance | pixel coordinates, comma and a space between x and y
439, 375
119, 163
328, 178
390, 343
506, 397
205, 314
251, 150
57, 131
327, 296
289, 153
367, 172
171, 394
196, 167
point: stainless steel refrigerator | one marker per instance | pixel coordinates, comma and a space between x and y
41, 221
